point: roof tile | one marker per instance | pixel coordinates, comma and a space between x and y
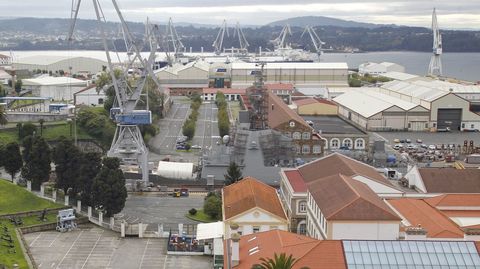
440, 180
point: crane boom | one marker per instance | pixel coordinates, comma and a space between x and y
218, 43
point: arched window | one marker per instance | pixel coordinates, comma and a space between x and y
302, 207
297, 135
347, 142
306, 135
359, 143
334, 143
306, 149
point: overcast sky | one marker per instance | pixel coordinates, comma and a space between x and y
452, 14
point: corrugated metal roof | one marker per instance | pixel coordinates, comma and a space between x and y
362, 103
414, 90
399, 75
50, 81
291, 65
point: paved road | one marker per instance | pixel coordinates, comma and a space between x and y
96, 248
206, 131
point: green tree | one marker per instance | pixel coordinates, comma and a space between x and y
281, 261
109, 192
68, 161
3, 116
13, 159
90, 167
37, 157
41, 122
27, 129
213, 206
233, 174
18, 85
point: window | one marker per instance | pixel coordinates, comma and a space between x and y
306, 135
472, 126
302, 229
334, 143
256, 229
347, 142
317, 149
297, 135
426, 125
434, 125
100, 101
288, 134
463, 125
306, 149
359, 143
297, 149
302, 207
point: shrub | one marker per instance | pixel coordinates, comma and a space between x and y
192, 212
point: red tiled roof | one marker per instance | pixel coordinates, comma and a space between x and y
461, 213
451, 180
296, 180
340, 197
279, 86
249, 193
224, 90
457, 200
279, 113
337, 163
418, 212
308, 252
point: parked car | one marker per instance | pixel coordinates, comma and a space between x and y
396, 140
411, 146
408, 141
403, 140
196, 147
419, 141
424, 146
432, 147
398, 146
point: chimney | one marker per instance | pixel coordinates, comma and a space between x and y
235, 244
415, 233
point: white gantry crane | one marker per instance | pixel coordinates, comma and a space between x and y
280, 41
173, 43
128, 144
242, 40
218, 43
435, 67
317, 42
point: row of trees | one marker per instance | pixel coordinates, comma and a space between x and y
223, 120
98, 183
188, 128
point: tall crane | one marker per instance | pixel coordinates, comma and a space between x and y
127, 144
317, 42
173, 42
435, 67
218, 43
280, 41
242, 40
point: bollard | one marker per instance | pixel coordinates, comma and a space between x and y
29, 185
42, 190
54, 195
112, 223
100, 218
67, 200
140, 230
79, 206
89, 212
122, 229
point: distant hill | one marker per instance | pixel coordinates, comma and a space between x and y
324, 21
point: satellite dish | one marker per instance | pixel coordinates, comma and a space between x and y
225, 139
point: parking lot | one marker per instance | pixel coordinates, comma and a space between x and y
93, 247
154, 209
432, 138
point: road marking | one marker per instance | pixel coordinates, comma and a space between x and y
31, 244
70, 248
165, 262
144, 252
93, 248
51, 244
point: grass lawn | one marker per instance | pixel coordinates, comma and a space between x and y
10, 258
15, 199
200, 216
50, 132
